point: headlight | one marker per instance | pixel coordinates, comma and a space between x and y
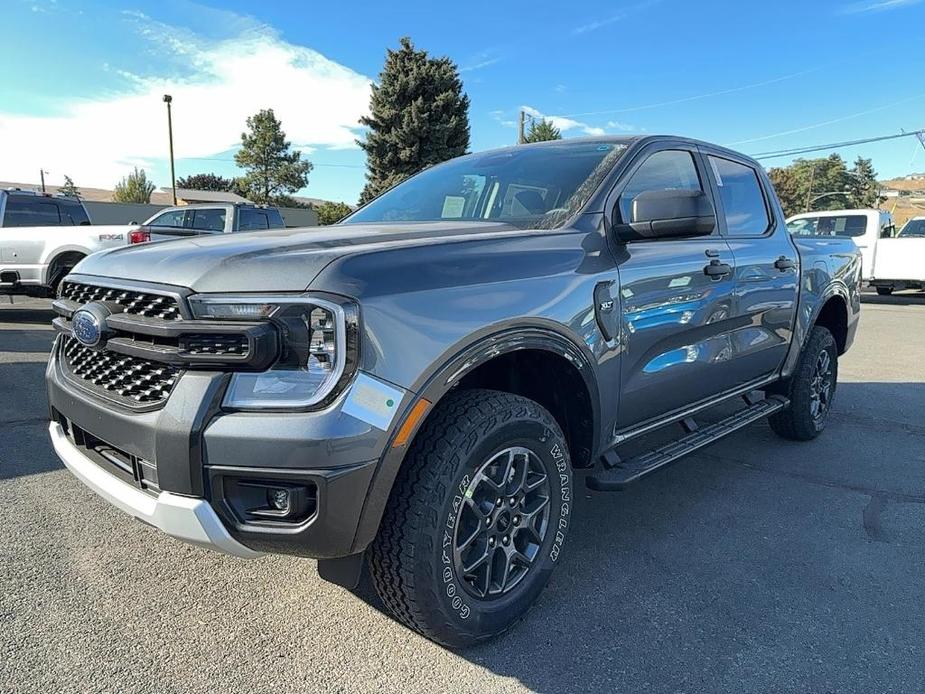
319, 347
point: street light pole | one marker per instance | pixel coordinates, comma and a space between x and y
173, 180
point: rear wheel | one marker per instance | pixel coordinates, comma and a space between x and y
884, 291
477, 518
811, 389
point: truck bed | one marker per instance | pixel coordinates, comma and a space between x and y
900, 259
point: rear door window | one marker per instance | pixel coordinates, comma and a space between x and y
209, 219
252, 220
30, 212
743, 202
72, 213
275, 219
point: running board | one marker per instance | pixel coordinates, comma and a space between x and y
629, 471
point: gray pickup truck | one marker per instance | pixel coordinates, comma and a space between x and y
413, 388
203, 219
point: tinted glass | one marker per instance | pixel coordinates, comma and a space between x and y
252, 220
209, 219
275, 219
170, 218
30, 212
843, 225
72, 213
743, 201
913, 228
529, 187
667, 170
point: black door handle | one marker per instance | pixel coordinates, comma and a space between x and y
784, 263
717, 269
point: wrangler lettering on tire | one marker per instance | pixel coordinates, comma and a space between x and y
477, 518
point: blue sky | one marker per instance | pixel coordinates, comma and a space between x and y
81, 92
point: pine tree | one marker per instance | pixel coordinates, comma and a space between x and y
419, 116
272, 167
69, 189
542, 130
862, 184
134, 188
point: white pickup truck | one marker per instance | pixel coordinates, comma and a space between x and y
864, 227
899, 263
42, 237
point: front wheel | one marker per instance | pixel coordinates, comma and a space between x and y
811, 389
477, 518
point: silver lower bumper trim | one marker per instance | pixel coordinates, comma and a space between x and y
186, 518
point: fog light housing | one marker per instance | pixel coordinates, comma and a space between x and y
279, 500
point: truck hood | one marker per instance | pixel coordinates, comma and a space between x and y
275, 260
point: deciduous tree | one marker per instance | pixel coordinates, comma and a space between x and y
134, 188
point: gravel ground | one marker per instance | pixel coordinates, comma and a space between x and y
759, 565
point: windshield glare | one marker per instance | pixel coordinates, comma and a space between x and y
913, 228
528, 187
842, 225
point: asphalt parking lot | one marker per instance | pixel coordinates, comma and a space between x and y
759, 565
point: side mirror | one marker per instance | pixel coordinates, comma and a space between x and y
669, 214
888, 232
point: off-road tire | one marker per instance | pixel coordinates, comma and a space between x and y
884, 291
797, 422
411, 559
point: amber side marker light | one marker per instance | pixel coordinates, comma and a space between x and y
411, 421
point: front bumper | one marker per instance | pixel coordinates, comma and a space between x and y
185, 518
196, 448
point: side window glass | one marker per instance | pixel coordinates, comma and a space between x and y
252, 220
30, 213
171, 218
72, 214
666, 170
743, 201
209, 220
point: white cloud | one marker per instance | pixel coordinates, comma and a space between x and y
625, 12
877, 6
96, 141
564, 123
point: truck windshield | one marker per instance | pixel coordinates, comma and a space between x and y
848, 225
913, 228
529, 187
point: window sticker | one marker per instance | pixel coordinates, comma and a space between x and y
453, 207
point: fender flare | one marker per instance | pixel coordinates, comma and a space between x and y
802, 330
57, 253
437, 382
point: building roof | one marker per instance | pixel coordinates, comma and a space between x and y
190, 195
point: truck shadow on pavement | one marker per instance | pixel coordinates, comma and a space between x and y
734, 564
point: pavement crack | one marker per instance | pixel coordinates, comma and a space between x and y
25, 421
871, 519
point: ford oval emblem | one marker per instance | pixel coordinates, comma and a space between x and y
87, 328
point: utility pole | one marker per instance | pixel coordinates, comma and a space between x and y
520, 128
809, 192
173, 180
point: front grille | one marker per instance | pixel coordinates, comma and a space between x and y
129, 379
134, 302
220, 345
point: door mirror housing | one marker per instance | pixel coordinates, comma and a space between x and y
672, 213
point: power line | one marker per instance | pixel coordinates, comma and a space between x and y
834, 145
